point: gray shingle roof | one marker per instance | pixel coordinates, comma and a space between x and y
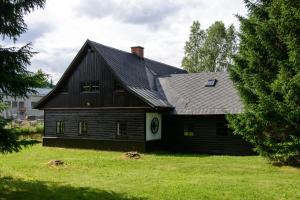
138, 75
188, 94
38, 92
41, 91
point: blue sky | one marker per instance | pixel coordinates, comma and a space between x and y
160, 26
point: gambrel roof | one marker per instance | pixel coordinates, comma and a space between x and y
164, 86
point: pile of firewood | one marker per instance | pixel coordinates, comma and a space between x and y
55, 162
132, 155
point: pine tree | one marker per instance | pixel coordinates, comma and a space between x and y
44, 80
266, 72
210, 49
15, 79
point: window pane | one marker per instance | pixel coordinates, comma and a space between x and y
62, 127
85, 86
121, 128
82, 127
14, 104
59, 127
95, 86
21, 104
211, 82
188, 130
89, 86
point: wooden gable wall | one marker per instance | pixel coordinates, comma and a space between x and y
92, 67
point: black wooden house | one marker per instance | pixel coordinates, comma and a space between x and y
115, 100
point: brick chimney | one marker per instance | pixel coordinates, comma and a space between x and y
138, 50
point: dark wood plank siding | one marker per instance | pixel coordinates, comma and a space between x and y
93, 67
205, 139
112, 145
101, 123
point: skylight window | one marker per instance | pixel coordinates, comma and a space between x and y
211, 82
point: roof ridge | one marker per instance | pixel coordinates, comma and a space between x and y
163, 63
199, 73
145, 58
109, 47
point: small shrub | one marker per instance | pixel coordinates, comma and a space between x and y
26, 130
39, 128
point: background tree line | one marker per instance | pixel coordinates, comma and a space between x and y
210, 49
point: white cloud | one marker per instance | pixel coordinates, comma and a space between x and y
161, 26
151, 13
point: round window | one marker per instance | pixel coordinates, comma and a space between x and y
154, 125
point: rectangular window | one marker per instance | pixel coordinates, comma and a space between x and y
82, 128
211, 82
95, 86
14, 104
188, 130
121, 128
221, 129
85, 86
33, 104
22, 108
89, 86
60, 127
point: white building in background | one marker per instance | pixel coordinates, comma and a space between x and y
23, 108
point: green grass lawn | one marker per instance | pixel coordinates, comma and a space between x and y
91, 174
